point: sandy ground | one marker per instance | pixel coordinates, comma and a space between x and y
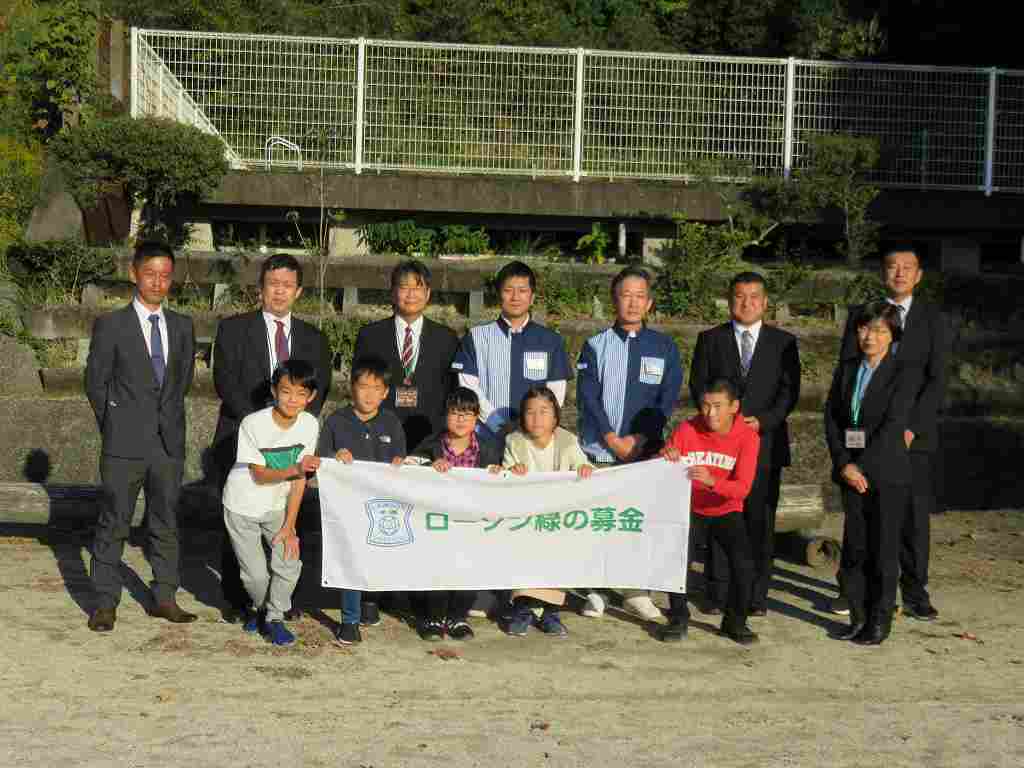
948, 693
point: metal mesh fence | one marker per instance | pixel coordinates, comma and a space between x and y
1008, 163
251, 88
543, 112
930, 123
669, 116
469, 108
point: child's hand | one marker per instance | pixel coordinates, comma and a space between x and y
308, 464
702, 475
397, 461
518, 469
441, 465
291, 542
494, 469
670, 453
344, 456
585, 471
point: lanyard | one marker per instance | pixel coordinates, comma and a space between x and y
858, 393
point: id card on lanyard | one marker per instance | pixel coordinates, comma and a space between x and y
857, 438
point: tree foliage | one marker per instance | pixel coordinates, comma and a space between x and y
152, 161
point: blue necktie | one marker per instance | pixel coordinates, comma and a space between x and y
156, 347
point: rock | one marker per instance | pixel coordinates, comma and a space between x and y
19, 371
56, 215
597, 310
10, 306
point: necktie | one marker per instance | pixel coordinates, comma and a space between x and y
746, 351
903, 315
280, 343
407, 353
156, 349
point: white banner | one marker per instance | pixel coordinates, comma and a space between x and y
412, 528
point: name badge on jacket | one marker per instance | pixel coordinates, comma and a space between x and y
856, 438
406, 397
651, 370
535, 366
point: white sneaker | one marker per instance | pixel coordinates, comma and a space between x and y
642, 606
476, 613
594, 607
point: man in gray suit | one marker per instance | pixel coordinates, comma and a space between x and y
141, 363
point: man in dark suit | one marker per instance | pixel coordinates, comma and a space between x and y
924, 345
141, 363
765, 361
248, 348
418, 351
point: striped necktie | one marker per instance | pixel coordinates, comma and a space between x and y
407, 353
746, 351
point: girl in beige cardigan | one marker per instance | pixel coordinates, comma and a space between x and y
541, 445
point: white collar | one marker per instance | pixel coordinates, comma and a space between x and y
270, 318
905, 304
520, 329
416, 325
145, 312
755, 329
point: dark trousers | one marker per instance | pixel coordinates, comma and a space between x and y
916, 539
729, 534
759, 518
443, 604
869, 570
122, 480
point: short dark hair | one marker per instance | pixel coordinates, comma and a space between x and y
884, 311
151, 249
722, 386
515, 269
900, 248
370, 366
744, 278
299, 372
542, 392
462, 399
281, 261
628, 272
410, 268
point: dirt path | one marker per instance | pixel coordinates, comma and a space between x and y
152, 694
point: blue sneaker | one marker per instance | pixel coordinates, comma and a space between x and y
519, 622
253, 622
552, 626
279, 634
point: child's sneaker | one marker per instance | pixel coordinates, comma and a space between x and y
594, 607
643, 607
348, 634
460, 630
432, 631
279, 634
253, 622
369, 615
552, 626
519, 622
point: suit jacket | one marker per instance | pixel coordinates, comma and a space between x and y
771, 389
132, 411
432, 378
885, 413
241, 373
925, 345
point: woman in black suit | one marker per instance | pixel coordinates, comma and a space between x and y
866, 414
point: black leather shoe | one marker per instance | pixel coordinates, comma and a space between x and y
875, 633
369, 615
743, 635
293, 614
758, 612
233, 614
172, 613
920, 611
674, 631
852, 632
103, 619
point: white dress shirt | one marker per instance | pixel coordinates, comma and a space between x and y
144, 314
271, 321
737, 329
417, 330
905, 305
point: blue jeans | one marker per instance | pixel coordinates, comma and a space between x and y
351, 602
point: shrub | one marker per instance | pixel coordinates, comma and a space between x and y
404, 237
690, 277
156, 161
458, 238
592, 246
54, 272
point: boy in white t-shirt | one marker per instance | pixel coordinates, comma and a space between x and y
276, 449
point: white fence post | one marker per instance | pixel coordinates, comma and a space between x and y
577, 141
787, 149
360, 102
990, 131
134, 81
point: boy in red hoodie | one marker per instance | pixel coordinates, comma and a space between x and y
720, 453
